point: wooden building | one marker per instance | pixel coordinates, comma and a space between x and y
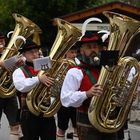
79, 17
118, 7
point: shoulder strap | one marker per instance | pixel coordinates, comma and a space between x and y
90, 75
26, 70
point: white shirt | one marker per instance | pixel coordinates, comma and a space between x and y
22, 83
70, 94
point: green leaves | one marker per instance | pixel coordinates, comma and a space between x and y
42, 11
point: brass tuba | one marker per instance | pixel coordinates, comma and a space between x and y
24, 27
109, 112
38, 99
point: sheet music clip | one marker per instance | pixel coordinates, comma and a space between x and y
43, 63
109, 58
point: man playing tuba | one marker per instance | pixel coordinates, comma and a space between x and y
80, 86
9, 106
25, 78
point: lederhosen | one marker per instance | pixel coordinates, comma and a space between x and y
34, 126
85, 130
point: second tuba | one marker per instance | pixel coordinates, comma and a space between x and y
109, 112
43, 100
24, 27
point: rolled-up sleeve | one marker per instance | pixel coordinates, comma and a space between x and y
22, 83
70, 93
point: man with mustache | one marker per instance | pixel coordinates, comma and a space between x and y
80, 85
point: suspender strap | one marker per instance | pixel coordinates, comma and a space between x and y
27, 71
90, 75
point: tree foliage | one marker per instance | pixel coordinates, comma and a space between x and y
41, 12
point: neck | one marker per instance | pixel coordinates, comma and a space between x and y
29, 63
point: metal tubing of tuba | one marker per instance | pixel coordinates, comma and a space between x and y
44, 100
24, 27
109, 112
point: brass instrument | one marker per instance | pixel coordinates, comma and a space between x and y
38, 100
24, 27
109, 112
36, 37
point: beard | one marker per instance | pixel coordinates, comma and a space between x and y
1, 48
91, 61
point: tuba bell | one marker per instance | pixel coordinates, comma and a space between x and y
24, 27
38, 99
109, 112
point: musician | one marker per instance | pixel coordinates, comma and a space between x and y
70, 112
25, 79
9, 106
80, 86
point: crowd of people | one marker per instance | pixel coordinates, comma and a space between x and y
79, 86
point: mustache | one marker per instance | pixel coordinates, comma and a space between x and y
95, 58
1, 46
94, 54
